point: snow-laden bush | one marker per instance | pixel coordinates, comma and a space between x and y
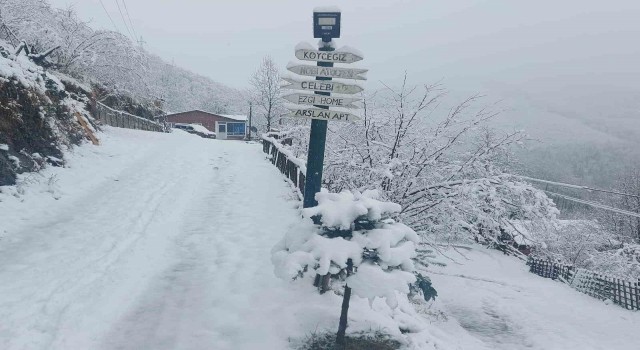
355, 245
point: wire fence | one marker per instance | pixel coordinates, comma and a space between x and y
288, 165
622, 292
120, 119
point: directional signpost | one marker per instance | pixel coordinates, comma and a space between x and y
319, 100
327, 72
326, 26
323, 86
308, 53
323, 114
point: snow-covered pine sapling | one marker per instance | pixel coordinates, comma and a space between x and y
357, 248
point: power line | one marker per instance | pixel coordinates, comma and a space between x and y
578, 187
595, 205
124, 21
126, 10
108, 15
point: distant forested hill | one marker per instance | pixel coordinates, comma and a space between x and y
110, 60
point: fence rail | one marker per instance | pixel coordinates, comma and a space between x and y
625, 293
120, 119
289, 166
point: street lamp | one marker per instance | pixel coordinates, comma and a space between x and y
326, 23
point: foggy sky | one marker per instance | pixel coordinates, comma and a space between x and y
567, 53
226, 39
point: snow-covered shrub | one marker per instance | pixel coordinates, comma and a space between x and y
571, 242
584, 244
622, 261
356, 246
356, 242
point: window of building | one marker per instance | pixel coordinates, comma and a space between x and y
235, 129
222, 128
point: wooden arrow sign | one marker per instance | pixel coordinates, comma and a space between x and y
322, 114
323, 86
327, 72
327, 56
320, 100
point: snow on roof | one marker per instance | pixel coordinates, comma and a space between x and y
235, 117
327, 9
228, 116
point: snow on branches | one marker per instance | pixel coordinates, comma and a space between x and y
448, 171
357, 244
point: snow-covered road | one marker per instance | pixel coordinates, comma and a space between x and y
156, 241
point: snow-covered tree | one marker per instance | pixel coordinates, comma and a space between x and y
267, 93
356, 247
449, 172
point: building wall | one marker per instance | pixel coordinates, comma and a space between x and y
208, 120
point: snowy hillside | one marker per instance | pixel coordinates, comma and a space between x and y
40, 115
111, 60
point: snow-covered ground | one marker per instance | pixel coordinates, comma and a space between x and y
155, 241
163, 241
497, 301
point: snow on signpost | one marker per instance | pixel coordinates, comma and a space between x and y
306, 52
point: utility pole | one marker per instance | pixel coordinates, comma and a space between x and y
250, 115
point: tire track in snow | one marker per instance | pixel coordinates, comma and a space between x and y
209, 299
63, 268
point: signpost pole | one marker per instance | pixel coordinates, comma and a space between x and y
317, 140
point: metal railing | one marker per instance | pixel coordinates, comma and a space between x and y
120, 119
291, 167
